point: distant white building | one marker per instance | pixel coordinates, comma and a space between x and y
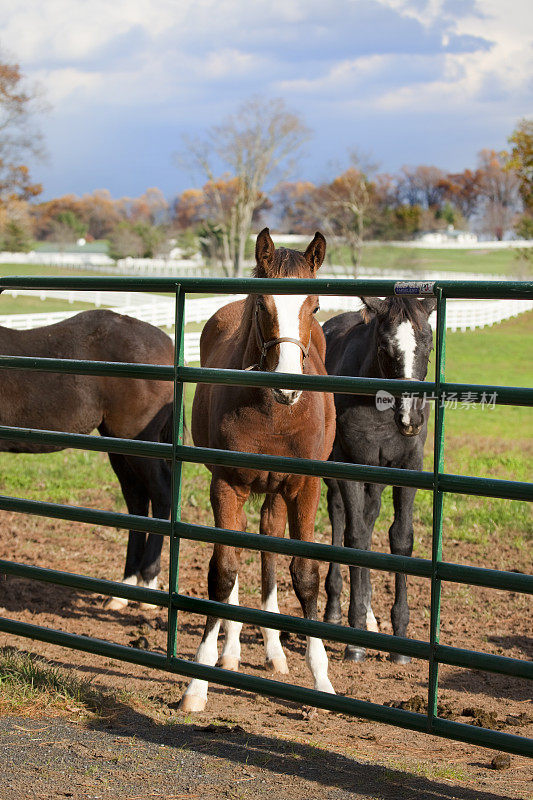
449, 235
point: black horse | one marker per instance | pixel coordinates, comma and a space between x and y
388, 338
118, 407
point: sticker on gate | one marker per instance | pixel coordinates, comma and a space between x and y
414, 287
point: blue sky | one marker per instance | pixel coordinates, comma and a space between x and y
405, 81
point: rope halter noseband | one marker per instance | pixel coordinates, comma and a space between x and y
265, 346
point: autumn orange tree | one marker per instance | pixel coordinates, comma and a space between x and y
499, 192
521, 160
19, 138
344, 203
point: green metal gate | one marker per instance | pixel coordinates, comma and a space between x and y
435, 569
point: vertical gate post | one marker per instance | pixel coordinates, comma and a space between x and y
436, 539
177, 438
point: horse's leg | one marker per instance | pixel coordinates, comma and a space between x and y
157, 479
138, 502
273, 521
231, 652
304, 573
227, 503
362, 503
401, 543
334, 578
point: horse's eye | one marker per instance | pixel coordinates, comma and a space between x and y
315, 310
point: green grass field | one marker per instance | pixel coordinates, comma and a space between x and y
33, 305
389, 257
32, 269
489, 261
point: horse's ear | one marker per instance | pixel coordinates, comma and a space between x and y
375, 304
316, 252
429, 304
264, 253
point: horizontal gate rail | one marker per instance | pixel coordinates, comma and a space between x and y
489, 290
347, 705
378, 641
393, 476
367, 387
112, 519
437, 481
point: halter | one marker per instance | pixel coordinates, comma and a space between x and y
265, 346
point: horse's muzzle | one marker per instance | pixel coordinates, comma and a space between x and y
409, 430
287, 397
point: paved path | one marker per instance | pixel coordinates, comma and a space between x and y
138, 759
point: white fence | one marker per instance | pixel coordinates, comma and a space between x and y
99, 262
412, 274
67, 260
159, 310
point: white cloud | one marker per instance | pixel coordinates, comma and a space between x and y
184, 63
229, 61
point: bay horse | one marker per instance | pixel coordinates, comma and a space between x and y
120, 407
388, 338
275, 333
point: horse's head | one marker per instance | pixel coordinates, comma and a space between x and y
404, 342
283, 323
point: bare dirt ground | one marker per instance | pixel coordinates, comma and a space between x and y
247, 746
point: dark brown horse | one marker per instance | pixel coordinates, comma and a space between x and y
276, 333
119, 407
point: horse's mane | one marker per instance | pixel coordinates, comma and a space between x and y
285, 264
400, 309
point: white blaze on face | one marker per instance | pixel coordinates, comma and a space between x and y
406, 343
288, 310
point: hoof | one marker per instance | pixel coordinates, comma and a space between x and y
230, 662
399, 658
192, 703
333, 617
278, 664
354, 653
115, 604
147, 606
324, 686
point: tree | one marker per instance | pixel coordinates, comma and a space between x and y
15, 238
16, 229
421, 186
256, 145
18, 136
46, 214
189, 209
462, 189
100, 213
151, 207
294, 204
66, 228
499, 191
136, 239
124, 241
344, 204
521, 160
